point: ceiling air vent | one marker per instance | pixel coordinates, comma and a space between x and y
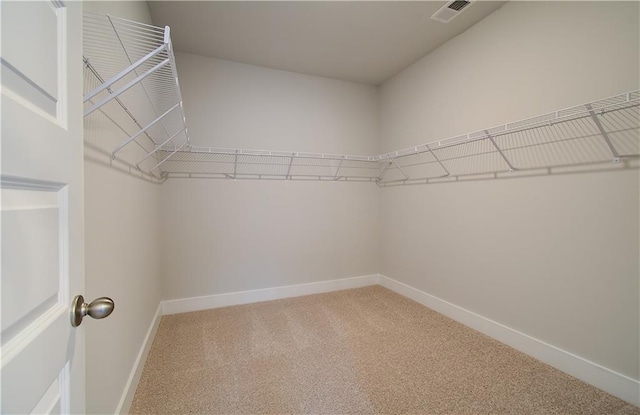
450, 10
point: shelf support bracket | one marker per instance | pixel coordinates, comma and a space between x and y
438, 160
603, 133
386, 168
123, 73
288, 176
506, 160
133, 137
118, 100
335, 176
406, 177
130, 84
169, 156
235, 165
158, 148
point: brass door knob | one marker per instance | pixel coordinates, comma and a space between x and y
98, 308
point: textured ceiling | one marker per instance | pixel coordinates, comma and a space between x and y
358, 41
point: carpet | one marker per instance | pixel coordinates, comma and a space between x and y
360, 351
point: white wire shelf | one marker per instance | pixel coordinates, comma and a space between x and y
599, 132
131, 78
603, 131
266, 164
131, 81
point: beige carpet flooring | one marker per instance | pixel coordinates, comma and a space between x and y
361, 351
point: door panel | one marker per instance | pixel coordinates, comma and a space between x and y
30, 66
31, 221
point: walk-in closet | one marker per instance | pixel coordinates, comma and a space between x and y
244, 207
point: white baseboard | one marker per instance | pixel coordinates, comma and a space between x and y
134, 377
185, 305
617, 384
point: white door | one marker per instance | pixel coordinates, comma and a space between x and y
42, 207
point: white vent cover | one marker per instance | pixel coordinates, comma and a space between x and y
451, 10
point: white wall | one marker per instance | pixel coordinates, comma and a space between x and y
221, 236
230, 104
122, 249
555, 257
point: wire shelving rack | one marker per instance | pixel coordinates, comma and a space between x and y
132, 71
603, 131
131, 79
273, 165
598, 132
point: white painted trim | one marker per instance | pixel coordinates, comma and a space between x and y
185, 305
136, 371
617, 384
